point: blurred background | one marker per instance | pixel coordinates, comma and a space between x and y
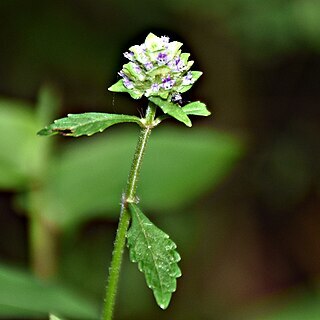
238, 193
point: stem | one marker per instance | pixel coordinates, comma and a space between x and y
43, 247
43, 232
129, 196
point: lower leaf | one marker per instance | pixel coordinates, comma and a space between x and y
155, 254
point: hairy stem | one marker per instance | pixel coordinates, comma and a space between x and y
129, 196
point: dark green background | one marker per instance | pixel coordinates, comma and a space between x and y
250, 243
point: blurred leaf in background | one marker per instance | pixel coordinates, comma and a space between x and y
295, 304
18, 144
179, 167
22, 295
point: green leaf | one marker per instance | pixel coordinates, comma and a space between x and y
22, 295
184, 57
155, 254
19, 148
196, 108
172, 109
119, 87
89, 123
153, 43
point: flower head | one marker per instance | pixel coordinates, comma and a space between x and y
156, 68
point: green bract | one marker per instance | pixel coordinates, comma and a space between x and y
157, 68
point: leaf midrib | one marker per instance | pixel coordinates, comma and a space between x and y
92, 121
148, 244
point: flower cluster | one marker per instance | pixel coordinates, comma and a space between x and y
156, 68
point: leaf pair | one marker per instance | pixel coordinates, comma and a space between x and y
89, 123
181, 113
155, 254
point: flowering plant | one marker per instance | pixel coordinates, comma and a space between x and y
158, 70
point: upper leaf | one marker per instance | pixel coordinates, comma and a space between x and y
196, 108
172, 109
89, 123
155, 254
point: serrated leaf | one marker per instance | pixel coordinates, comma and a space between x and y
172, 109
119, 87
89, 123
196, 108
155, 254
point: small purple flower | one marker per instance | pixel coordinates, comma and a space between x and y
121, 73
176, 97
140, 49
187, 80
165, 39
129, 55
136, 68
180, 64
127, 83
162, 59
148, 65
155, 87
177, 65
167, 83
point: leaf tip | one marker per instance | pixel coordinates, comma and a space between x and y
45, 132
163, 299
163, 306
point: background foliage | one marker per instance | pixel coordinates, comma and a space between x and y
238, 193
